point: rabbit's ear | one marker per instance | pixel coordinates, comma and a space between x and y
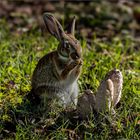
71, 29
53, 26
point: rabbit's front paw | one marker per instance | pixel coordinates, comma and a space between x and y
74, 63
80, 62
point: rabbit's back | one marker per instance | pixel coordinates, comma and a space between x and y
44, 72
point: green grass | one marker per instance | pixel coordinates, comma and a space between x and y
19, 55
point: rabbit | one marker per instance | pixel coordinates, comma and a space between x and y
56, 74
107, 96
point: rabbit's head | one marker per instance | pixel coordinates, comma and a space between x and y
69, 47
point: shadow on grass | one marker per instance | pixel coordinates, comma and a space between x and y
28, 116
